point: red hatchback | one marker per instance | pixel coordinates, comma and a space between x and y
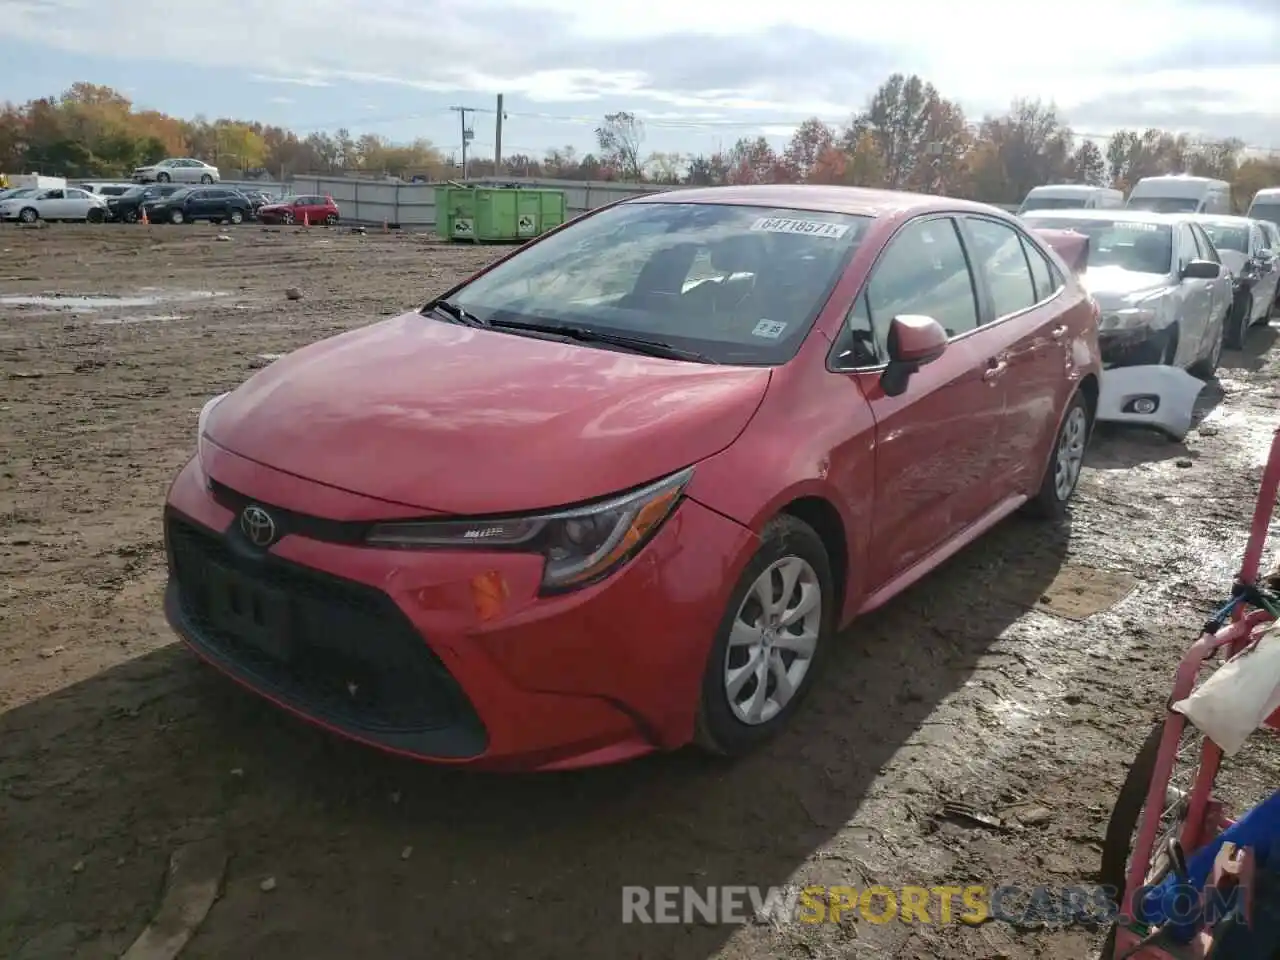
618, 492
308, 209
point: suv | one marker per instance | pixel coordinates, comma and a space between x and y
306, 209
188, 204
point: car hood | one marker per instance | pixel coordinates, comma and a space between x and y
460, 420
1110, 285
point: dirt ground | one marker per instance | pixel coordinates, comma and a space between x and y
116, 747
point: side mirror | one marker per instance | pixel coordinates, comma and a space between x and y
1202, 270
913, 341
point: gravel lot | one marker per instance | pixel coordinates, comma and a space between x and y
116, 747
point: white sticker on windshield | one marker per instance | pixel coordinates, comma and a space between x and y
809, 228
1144, 227
771, 329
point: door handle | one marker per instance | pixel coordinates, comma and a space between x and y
995, 369
1059, 332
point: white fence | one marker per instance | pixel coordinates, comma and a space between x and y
414, 204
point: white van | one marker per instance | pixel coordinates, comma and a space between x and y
1266, 206
1071, 196
1181, 193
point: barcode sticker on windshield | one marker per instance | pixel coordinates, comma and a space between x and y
1141, 227
772, 329
809, 228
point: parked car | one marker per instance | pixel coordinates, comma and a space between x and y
180, 170
63, 203
1160, 285
1180, 193
619, 491
127, 208
311, 209
257, 199
107, 189
1265, 206
216, 204
1245, 250
1071, 196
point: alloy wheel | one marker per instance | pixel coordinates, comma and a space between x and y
773, 639
1070, 454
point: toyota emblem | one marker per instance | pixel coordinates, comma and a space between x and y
257, 525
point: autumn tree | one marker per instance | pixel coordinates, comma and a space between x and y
811, 139
708, 171
1088, 165
1031, 146
752, 161
620, 138
919, 136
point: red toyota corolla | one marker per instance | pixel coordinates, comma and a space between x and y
618, 492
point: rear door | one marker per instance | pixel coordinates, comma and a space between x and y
1195, 297
1024, 334
935, 442
1269, 272
1220, 290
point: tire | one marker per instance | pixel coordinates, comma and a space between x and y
205, 178
286, 219
1206, 368
163, 178
1124, 815
96, 215
177, 216
29, 215
789, 544
235, 217
1237, 328
1066, 459
331, 220
131, 216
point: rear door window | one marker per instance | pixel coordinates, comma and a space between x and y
1000, 258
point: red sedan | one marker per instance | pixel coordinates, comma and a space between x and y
307, 209
618, 492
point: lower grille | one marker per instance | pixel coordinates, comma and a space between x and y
340, 651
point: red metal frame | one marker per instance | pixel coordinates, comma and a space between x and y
1205, 817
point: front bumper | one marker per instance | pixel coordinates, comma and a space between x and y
396, 649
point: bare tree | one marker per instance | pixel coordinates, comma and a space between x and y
620, 139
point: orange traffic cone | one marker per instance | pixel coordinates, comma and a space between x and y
306, 221
145, 219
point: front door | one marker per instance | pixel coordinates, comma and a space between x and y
935, 442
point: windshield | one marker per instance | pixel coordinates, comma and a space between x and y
1164, 204
737, 284
1228, 237
1136, 247
1265, 211
1053, 203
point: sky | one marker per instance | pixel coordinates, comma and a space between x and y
699, 75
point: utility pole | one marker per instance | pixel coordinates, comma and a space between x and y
497, 141
467, 134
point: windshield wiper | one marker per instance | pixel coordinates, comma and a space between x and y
652, 348
457, 314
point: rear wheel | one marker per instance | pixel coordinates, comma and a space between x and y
331, 220
1206, 368
96, 215
1063, 473
771, 640
177, 216
131, 216
286, 218
206, 178
162, 178
235, 216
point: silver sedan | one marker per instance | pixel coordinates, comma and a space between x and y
1160, 284
177, 170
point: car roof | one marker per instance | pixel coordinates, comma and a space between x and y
1120, 215
856, 201
1223, 218
1068, 189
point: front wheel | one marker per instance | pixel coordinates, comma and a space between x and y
331, 220
287, 219
206, 178
96, 215
177, 216
771, 640
163, 178
1238, 321
1206, 368
235, 216
1063, 473
28, 215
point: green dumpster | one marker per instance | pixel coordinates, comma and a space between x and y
480, 214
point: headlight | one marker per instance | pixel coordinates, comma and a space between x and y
205, 411
1129, 319
580, 545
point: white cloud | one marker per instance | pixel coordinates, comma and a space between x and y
720, 59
